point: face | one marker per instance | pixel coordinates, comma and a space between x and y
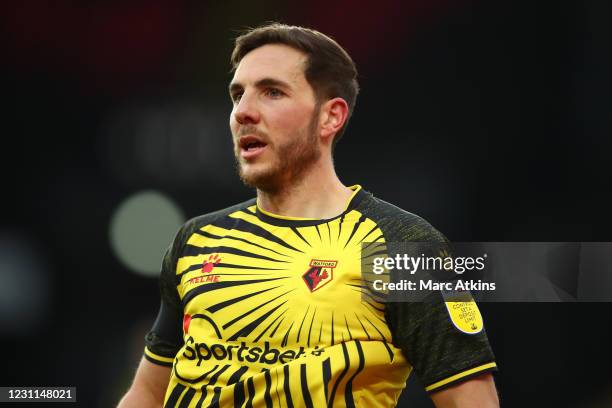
274, 120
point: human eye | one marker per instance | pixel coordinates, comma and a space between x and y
236, 95
274, 92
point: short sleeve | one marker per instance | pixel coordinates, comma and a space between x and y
165, 337
441, 353
421, 325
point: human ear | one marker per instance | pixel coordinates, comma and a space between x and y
334, 114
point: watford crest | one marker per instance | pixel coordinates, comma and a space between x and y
320, 273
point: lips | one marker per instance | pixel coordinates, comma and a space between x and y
251, 146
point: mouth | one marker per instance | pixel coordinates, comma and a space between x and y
251, 146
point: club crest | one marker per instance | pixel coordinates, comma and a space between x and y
320, 273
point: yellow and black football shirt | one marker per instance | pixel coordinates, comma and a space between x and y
260, 310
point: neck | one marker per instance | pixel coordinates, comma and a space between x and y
319, 194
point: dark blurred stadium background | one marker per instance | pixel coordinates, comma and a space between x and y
490, 119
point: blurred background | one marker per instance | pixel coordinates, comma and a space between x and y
490, 119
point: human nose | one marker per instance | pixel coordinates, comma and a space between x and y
245, 111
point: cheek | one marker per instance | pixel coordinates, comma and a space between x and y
234, 129
232, 122
289, 118
233, 125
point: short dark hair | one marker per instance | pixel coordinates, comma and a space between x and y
329, 69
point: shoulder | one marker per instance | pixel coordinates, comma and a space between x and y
398, 224
169, 278
196, 223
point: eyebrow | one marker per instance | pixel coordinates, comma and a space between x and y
262, 83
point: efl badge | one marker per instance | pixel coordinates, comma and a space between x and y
321, 272
465, 316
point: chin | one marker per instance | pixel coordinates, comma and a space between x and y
261, 178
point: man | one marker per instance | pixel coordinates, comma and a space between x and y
261, 302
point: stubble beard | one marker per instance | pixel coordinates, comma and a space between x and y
292, 161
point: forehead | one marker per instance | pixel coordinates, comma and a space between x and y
272, 60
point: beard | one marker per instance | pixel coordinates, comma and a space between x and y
291, 160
